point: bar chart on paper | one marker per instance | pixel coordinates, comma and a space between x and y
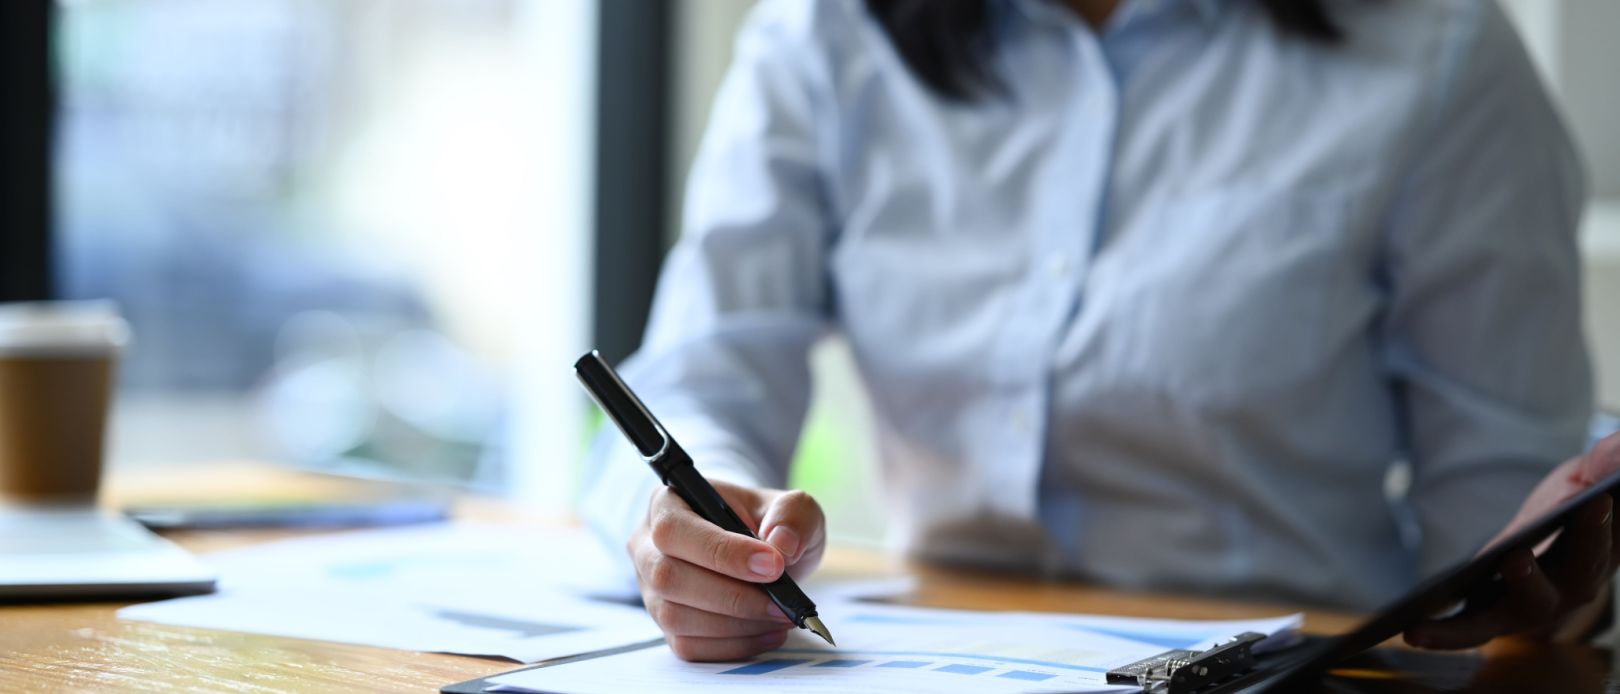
907, 649
960, 664
813, 670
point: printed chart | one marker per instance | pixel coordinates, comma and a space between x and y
1023, 670
886, 648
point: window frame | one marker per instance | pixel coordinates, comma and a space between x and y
27, 127
635, 60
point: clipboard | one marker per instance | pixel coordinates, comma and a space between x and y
1296, 668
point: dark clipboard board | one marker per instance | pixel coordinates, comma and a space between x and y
1469, 580
1297, 667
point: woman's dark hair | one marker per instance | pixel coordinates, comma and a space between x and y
949, 44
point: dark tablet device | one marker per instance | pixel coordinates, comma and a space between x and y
1476, 579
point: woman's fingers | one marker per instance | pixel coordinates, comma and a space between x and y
1536, 593
700, 583
675, 580
685, 620
1578, 563
698, 648
1528, 599
678, 531
794, 524
1600, 462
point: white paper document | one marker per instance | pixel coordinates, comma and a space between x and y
472, 589
886, 649
548, 625
508, 560
496, 590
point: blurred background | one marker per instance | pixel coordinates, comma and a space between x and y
348, 235
369, 236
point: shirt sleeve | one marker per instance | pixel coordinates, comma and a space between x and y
1483, 331
743, 295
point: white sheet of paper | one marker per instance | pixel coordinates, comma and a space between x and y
549, 625
507, 560
475, 589
1165, 634
471, 589
886, 648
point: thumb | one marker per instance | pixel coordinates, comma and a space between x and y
1571, 478
794, 525
1600, 462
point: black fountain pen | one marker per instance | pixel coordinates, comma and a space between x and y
675, 468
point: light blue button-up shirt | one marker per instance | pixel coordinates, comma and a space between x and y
1164, 314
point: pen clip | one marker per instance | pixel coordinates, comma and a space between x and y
663, 445
601, 367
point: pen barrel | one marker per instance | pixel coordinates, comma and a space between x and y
682, 476
793, 602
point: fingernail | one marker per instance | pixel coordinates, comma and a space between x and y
773, 640
763, 564
784, 540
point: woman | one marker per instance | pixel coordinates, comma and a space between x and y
1151, 293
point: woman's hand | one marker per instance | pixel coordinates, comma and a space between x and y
1563, 593
697, 580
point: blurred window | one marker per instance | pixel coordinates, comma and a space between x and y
348, 233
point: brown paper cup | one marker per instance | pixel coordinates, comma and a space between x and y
57, 366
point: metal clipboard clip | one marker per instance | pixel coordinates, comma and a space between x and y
1190, 672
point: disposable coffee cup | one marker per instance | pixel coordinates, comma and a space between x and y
57, 366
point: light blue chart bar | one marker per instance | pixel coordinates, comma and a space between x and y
1026, 676
964, 669
765, 666
996, 661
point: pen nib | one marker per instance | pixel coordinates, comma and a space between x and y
814, 624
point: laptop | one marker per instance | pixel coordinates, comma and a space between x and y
81, 552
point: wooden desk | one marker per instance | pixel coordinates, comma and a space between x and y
85, 647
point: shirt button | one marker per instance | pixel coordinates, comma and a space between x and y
1059, 264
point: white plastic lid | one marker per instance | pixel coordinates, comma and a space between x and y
61, 328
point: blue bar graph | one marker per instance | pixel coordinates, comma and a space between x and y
1026, 676
1162, 640
765, 666
1000, 661
964, 669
